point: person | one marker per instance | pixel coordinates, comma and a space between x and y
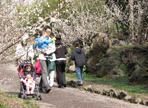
28, 80
44, 62
61, 51
37, 66
30, 84
24, 51
52, 49
79, 56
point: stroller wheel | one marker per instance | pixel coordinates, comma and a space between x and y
32, 96
40, 97
19, 95
24, 97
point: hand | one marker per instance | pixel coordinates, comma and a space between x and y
43, 52
21, 79
30, 57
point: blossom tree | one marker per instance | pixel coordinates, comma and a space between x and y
82, 22
88, 18
131, 16
18, 18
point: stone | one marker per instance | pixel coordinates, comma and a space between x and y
145, 102
137, 77
113, 93
72, 83
128, 98
122, 94
109, 68
110, 51
99, 46
106, 92
96, 90
138, 100
72, 67
87, 87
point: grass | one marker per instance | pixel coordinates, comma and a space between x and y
120, 83
118, 48
11, 101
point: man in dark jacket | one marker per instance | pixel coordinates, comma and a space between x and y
79, 56
60, 52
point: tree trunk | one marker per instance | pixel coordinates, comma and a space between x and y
142, 16
131, 19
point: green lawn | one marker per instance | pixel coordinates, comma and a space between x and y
120, 83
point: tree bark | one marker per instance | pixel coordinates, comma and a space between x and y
131, 18
142, 16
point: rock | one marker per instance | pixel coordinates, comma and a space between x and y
90, 89
67, 59
110, 51
114, 41
138, 100
71, 68
97, 91
145, 102
122, 94
99, 46
137, 77
128, 98
109, 68
123, 43
87, 87
72, 83
113, 93
106, 92
86, 50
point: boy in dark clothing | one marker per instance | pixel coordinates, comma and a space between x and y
79, 56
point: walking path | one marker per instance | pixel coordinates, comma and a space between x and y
61, 97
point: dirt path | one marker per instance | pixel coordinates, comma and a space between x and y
62, 97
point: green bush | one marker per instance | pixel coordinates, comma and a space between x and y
117, 56
67, 65
69, 53
100, 58
123, 67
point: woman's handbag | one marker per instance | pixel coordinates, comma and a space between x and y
52, 66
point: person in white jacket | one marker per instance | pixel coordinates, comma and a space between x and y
44, 62
24, 51
52, 49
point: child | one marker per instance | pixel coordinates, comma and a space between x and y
37, 66
30, 83
41, 43
79, 56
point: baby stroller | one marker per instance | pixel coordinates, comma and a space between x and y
22, 74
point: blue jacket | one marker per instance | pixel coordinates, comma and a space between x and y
42, 43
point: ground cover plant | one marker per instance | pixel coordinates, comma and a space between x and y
11, 101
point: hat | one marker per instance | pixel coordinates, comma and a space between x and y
58, 37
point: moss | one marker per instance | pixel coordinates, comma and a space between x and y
123, 67
101, 57
117, 56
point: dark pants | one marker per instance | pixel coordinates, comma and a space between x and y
44, 72
60, 69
